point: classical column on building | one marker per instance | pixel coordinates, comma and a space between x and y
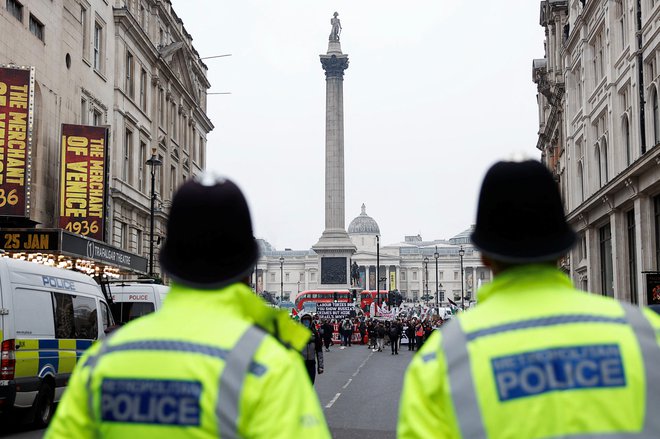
334, 247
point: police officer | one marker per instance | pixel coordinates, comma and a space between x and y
537, 358
214, 361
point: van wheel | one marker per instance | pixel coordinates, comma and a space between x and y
44, 405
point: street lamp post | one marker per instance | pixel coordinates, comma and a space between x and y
153, 162
426, 275
436, 255
281, 277
461, 253
378, 270
298, 287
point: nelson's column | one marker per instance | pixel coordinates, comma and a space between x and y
334, 247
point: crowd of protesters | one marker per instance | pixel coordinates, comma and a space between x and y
377, 333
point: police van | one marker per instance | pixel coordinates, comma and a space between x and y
48, 317
131, 300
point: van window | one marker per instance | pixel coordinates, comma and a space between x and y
33, 313
128, 311
105, 316
75, 317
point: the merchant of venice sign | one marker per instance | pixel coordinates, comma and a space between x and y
16, 119
83, 180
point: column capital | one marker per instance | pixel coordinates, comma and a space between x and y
334, 65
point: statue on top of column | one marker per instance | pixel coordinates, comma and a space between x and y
336, 28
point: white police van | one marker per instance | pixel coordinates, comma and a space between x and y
48, 318
131, 300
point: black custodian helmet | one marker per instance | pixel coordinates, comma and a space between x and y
520, 217
209, 241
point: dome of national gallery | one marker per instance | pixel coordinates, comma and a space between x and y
363, 224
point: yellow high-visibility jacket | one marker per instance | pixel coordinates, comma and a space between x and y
208, 364
537, 359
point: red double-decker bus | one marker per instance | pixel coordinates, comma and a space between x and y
313, 297
367, 297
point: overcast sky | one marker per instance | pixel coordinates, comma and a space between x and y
436, 91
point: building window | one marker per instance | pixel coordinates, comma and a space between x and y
143, 90
286, 277
312, 277
581, 181
84, 24
173, 121
142, 158
597, 49
97, 120
599, 165
604, 161
656, 117
301, 278
440, 275
606, 269
623, 23
626, 140
582, 247
138, 241
172, 180
414, 275
143, 16
272, 277
455, 275
36, 27
161, 107
83, 111
632, 256
129, 86
160, 176
98, 47
403, 275
15, 9
126, 166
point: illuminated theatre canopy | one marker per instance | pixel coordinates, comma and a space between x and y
64, 249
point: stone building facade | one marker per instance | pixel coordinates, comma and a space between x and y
408, 266
126, 64
600, 133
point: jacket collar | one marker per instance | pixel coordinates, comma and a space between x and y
239, 300
525, 277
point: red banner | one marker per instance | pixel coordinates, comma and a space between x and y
83, 180
15, 138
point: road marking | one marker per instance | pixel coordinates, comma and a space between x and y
333, 401
347, 383
362, 365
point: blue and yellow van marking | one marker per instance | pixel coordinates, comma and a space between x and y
40, 357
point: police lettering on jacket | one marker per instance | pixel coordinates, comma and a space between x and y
161, 402
560, 369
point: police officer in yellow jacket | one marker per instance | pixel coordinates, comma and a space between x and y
214, 361
536, 358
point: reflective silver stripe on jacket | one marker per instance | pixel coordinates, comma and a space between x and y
231, 381
238, 363
461, 382
463, 390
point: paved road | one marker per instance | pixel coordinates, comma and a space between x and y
359, 393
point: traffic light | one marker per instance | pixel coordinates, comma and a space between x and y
335, 297
354, 294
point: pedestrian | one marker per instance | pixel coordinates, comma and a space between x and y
410, 333
371, 334
537, 358
419, 334
347, 329
363, 330
394, 338
313, 351
327, 334
380, 336
214, 361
